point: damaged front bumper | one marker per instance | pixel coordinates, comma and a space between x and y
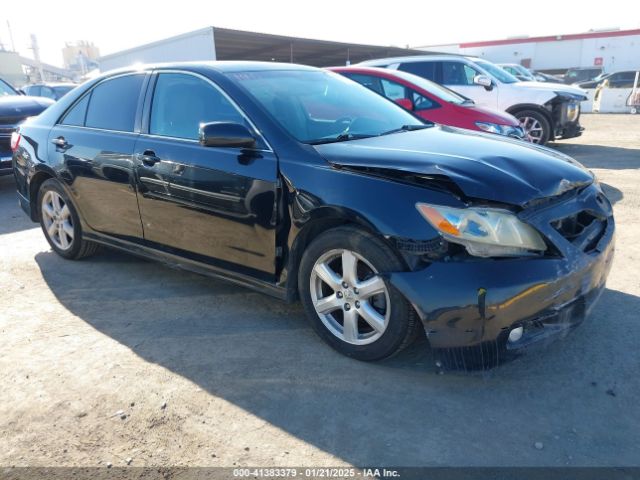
475, 302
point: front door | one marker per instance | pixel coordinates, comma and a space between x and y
458, 76
93, 143
215, 205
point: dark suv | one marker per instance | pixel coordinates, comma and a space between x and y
577, 75
14, 108
303, 184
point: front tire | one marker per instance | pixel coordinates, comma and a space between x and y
60, 222
536, 126
350, 305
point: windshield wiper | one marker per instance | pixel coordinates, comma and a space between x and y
407, 128
343, 137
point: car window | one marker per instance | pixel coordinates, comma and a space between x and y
6, 89
113, 103
47, 92
369, 81
420, 102
393, 90
60, 92
77, 114
33, 90
622, 80
182, 102
457, 73
422, 69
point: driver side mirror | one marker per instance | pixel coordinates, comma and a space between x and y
405, 103
484, 81
226, 134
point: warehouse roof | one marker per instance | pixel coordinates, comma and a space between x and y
242, 45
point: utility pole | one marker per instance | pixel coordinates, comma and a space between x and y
36, 56
13, 45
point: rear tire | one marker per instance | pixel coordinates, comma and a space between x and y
353, 309
536, 126
60, 222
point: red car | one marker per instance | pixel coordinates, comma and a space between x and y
431, 101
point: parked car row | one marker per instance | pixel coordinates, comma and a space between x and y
433, 102
524, 74
546, 111
304, 184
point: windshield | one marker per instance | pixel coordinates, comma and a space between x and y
496, 72
433, 88
524, 72
6, 89
317, 105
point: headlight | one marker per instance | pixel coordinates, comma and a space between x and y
573, 111
490, 127
484, 232
507, 130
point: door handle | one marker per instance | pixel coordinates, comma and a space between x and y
149, 158
60, 142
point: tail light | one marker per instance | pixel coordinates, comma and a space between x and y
15, 141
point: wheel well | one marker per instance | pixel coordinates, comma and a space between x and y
34, 187
310, 231
536, 108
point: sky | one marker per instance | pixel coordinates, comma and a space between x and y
115, 25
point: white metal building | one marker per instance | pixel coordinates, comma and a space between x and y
612, 50
214, 43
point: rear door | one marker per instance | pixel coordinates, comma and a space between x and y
93, 145
212, 204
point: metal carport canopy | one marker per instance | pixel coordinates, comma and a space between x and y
243, 45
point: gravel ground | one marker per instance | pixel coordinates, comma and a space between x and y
116, 358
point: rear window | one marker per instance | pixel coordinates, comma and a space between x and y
76, 115
113, 104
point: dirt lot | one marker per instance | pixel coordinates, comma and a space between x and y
116, 358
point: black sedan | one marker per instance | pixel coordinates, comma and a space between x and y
14, 108
305, 185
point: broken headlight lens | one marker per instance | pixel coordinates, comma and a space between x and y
484, 232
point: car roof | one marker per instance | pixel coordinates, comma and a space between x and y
52, 84
416, 58
224, 66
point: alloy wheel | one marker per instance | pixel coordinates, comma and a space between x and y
349, 297
57, 220
533, 131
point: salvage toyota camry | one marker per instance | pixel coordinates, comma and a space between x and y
305, 185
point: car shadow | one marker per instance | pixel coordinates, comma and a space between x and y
261, 355
600, 156
13, 218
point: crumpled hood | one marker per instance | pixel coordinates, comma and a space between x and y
15, 108
554, 87
483, 166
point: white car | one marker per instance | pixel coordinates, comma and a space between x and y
546, 111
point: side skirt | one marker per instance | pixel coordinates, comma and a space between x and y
176, 261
